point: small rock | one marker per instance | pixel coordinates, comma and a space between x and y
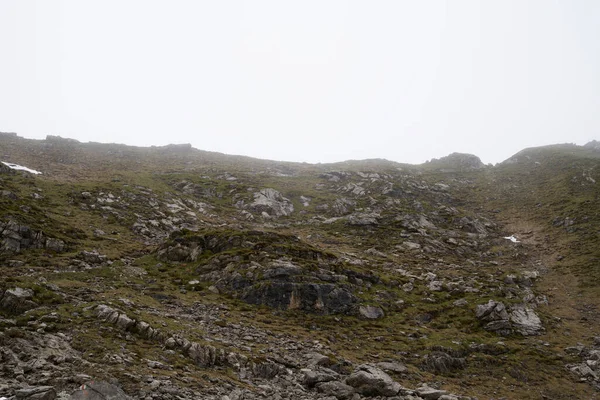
371, 312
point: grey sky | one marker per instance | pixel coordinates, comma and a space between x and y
314, 81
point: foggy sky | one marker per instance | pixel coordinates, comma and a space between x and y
314, 81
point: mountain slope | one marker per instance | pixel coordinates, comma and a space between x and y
179, 273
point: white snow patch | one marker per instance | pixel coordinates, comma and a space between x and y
512, 238
20, 168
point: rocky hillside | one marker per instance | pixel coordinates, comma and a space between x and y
174, 273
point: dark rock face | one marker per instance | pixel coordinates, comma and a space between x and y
312, 297
259, 267
15, 238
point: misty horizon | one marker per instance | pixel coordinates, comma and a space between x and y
311, 82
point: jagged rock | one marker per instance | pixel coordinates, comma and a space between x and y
496, 316
371, 381
525, 321
36, 393
99, 390
371, 312
17, 300
583, 370
363, 219
271, 202
311, 297
491, 311
343, 206
15, 238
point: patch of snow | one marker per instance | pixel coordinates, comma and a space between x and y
512, 238
20, 168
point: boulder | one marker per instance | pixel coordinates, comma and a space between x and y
525, 321
495, 317
17, 300
371, 312
339, 390
428, 393
371, 381
312, 297
491, 311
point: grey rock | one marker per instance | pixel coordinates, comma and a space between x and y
339, 390
17, 300
271, 202
36, 393
99, 390
491, 311
392, 366
371, 381
371, 312
311, 377
54, 244
429, 393
525, 321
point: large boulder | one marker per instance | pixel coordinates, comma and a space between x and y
17, 300
525, 321
271, 202
371, 381
497, 319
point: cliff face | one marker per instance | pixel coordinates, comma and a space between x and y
176, 273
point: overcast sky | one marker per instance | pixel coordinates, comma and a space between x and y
315, 81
